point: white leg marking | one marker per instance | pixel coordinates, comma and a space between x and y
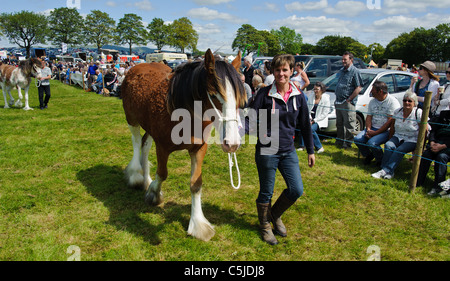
134, 171
199, 226
144, 161
27, 107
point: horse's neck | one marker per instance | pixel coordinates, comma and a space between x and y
21, 77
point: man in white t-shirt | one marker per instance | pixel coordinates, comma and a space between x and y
379, 118
44, 86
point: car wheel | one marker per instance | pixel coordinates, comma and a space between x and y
359, 123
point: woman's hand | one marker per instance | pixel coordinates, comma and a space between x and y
311, 160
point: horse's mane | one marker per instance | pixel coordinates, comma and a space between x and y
189, 83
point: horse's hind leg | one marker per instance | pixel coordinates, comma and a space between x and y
146, 145
134, 172
7, 90
154, 196
199, 226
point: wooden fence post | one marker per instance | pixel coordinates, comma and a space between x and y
82, 79
420, 141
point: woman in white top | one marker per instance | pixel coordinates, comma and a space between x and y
268, 72
442, 101
319, 107
429, 82
300, 79
404, 132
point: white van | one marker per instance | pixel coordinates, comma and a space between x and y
157, 57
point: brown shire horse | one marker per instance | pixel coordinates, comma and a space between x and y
152, 94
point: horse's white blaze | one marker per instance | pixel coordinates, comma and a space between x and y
231, 138
134, 170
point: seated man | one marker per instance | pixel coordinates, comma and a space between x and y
379, 119
111, 80
98, 85
439, 151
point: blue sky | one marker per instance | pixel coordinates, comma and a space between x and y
217, 21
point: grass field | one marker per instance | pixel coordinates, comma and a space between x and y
61, 185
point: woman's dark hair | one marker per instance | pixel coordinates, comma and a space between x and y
322, 86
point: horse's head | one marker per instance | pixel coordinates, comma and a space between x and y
36, 66
224, 84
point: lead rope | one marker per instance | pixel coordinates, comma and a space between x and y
230, 158
231, 163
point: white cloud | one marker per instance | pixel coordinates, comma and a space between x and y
270, 7
393, 7
211, 2
308, 6
111, 4
144, 5
209, 28
347, 8
209, 14
317, 26
386, 29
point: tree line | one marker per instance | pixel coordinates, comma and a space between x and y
413, 47
66, 25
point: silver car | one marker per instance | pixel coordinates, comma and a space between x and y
398, 82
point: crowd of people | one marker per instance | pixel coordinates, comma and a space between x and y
388, 123
104, 79
397, 126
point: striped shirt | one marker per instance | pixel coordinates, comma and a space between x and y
348, 80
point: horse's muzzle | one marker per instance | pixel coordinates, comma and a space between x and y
229, 148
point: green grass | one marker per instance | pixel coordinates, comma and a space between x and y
61, 184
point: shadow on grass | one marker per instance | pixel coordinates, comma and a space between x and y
107, 184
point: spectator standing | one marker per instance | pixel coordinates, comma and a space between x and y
347, 89
378, 121
268, 72
442, 100
248, 71
429, 82
92, 73
300, 77
44, 86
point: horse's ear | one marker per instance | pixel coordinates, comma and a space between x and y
210, 63
237, 62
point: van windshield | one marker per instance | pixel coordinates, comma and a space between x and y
302, 58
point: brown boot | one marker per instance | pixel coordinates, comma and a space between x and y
264, 224
283, 203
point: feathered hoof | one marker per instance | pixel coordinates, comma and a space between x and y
135, 179
201, 229
153, 199
27, 108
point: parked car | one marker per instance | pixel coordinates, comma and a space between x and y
398, 82
319, 67
175, 63
258, 62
